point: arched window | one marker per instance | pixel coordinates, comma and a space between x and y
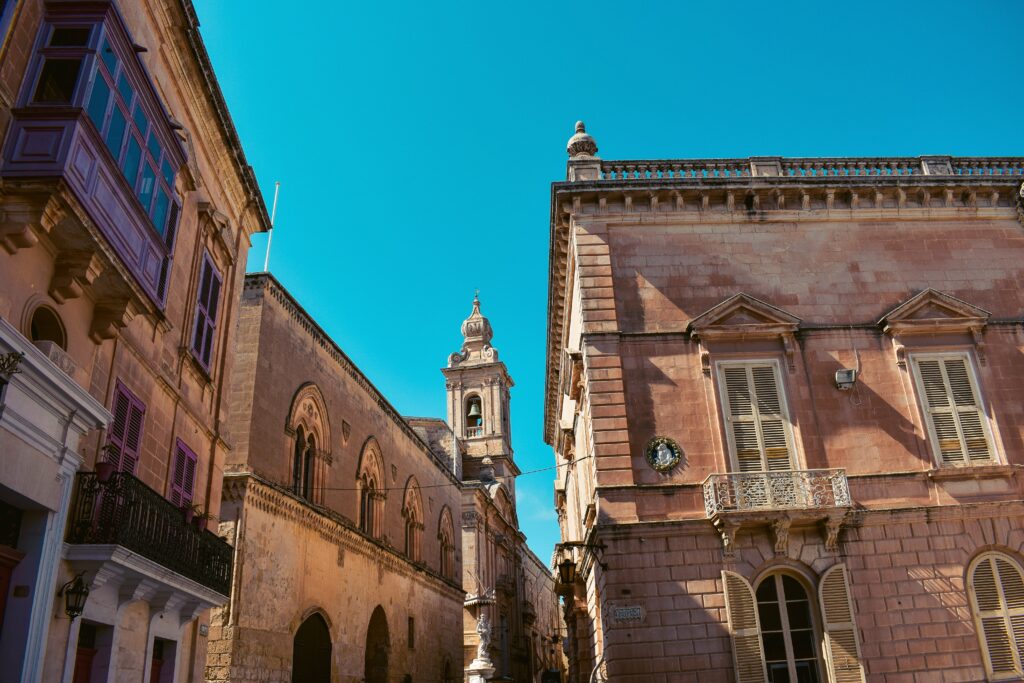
446, 541
307, 420
996, 587
370, 482
412, 511
775, 629
787, 630
46, 326
474, 416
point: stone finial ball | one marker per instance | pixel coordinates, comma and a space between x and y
581, 144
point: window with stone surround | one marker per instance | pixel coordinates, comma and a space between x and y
370, 482
781, 634
446, 540
412, 512
204, 331
183, 475
955, 416
124, 438
757, 424
996, 588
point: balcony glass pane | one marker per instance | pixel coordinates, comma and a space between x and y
146, 183
160, 211
115, 132
109, 58
132, 157
168, 173
125, 88
153, 145
57, 81
141, 122
98, 100
69, 37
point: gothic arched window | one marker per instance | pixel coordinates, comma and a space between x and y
310, 458
370, 482
412, 511
446, 540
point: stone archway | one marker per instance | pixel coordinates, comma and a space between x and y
378, 643
311, 652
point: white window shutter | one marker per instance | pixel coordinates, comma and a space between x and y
745, 627
997, 589
842, 647
955, 414
756, 418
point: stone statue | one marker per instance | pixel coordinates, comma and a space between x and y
483, 629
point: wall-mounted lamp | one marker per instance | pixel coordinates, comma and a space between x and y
567, 572
845, 379
567, 567
75, 593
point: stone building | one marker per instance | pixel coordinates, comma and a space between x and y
343, 519
126, 210
789, 383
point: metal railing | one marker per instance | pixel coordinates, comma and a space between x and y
785, 490
126, 512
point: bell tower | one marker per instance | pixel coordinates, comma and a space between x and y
478, 403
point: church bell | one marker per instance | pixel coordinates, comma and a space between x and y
474, 410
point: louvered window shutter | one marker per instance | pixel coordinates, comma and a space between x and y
997, 587
955, 415
125, 432
756, 418
207, 300
748, 651
842, 648
183, 475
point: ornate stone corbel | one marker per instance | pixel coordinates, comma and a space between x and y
602, 204
979, 344
833, 525
654, 202
879, 199
108, 318
854, 199
805, 200
705, 201
705, 358
901, 197
780, 199
780, 529
627, 203
830, 199
789, 348
947, 197
680, 203
900, 351
730, 201
73, 272
728, 528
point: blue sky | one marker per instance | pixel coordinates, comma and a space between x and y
416, 142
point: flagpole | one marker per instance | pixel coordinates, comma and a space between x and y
270, 233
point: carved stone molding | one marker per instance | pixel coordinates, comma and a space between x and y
73, 272
933, 312
780, 530
742, 317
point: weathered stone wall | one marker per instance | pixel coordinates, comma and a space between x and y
295, 561
907, 572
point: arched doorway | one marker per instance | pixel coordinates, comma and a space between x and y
377, 645
311, 652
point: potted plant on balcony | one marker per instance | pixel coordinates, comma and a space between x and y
106, 464
202, 519
189, 511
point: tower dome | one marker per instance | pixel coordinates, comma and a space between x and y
581, 144
476, 339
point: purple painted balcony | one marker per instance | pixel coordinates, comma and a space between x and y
93, 152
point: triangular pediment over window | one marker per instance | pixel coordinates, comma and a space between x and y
934, 312
931, 312
743, 317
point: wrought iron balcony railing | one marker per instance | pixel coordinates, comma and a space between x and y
766, 491
124, 511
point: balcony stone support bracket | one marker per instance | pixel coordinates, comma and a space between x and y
727, 528
23, 217
73, 273
780, 529
833, 525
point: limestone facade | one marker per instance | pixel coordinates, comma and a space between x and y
344, 520
789, 382
127, 210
